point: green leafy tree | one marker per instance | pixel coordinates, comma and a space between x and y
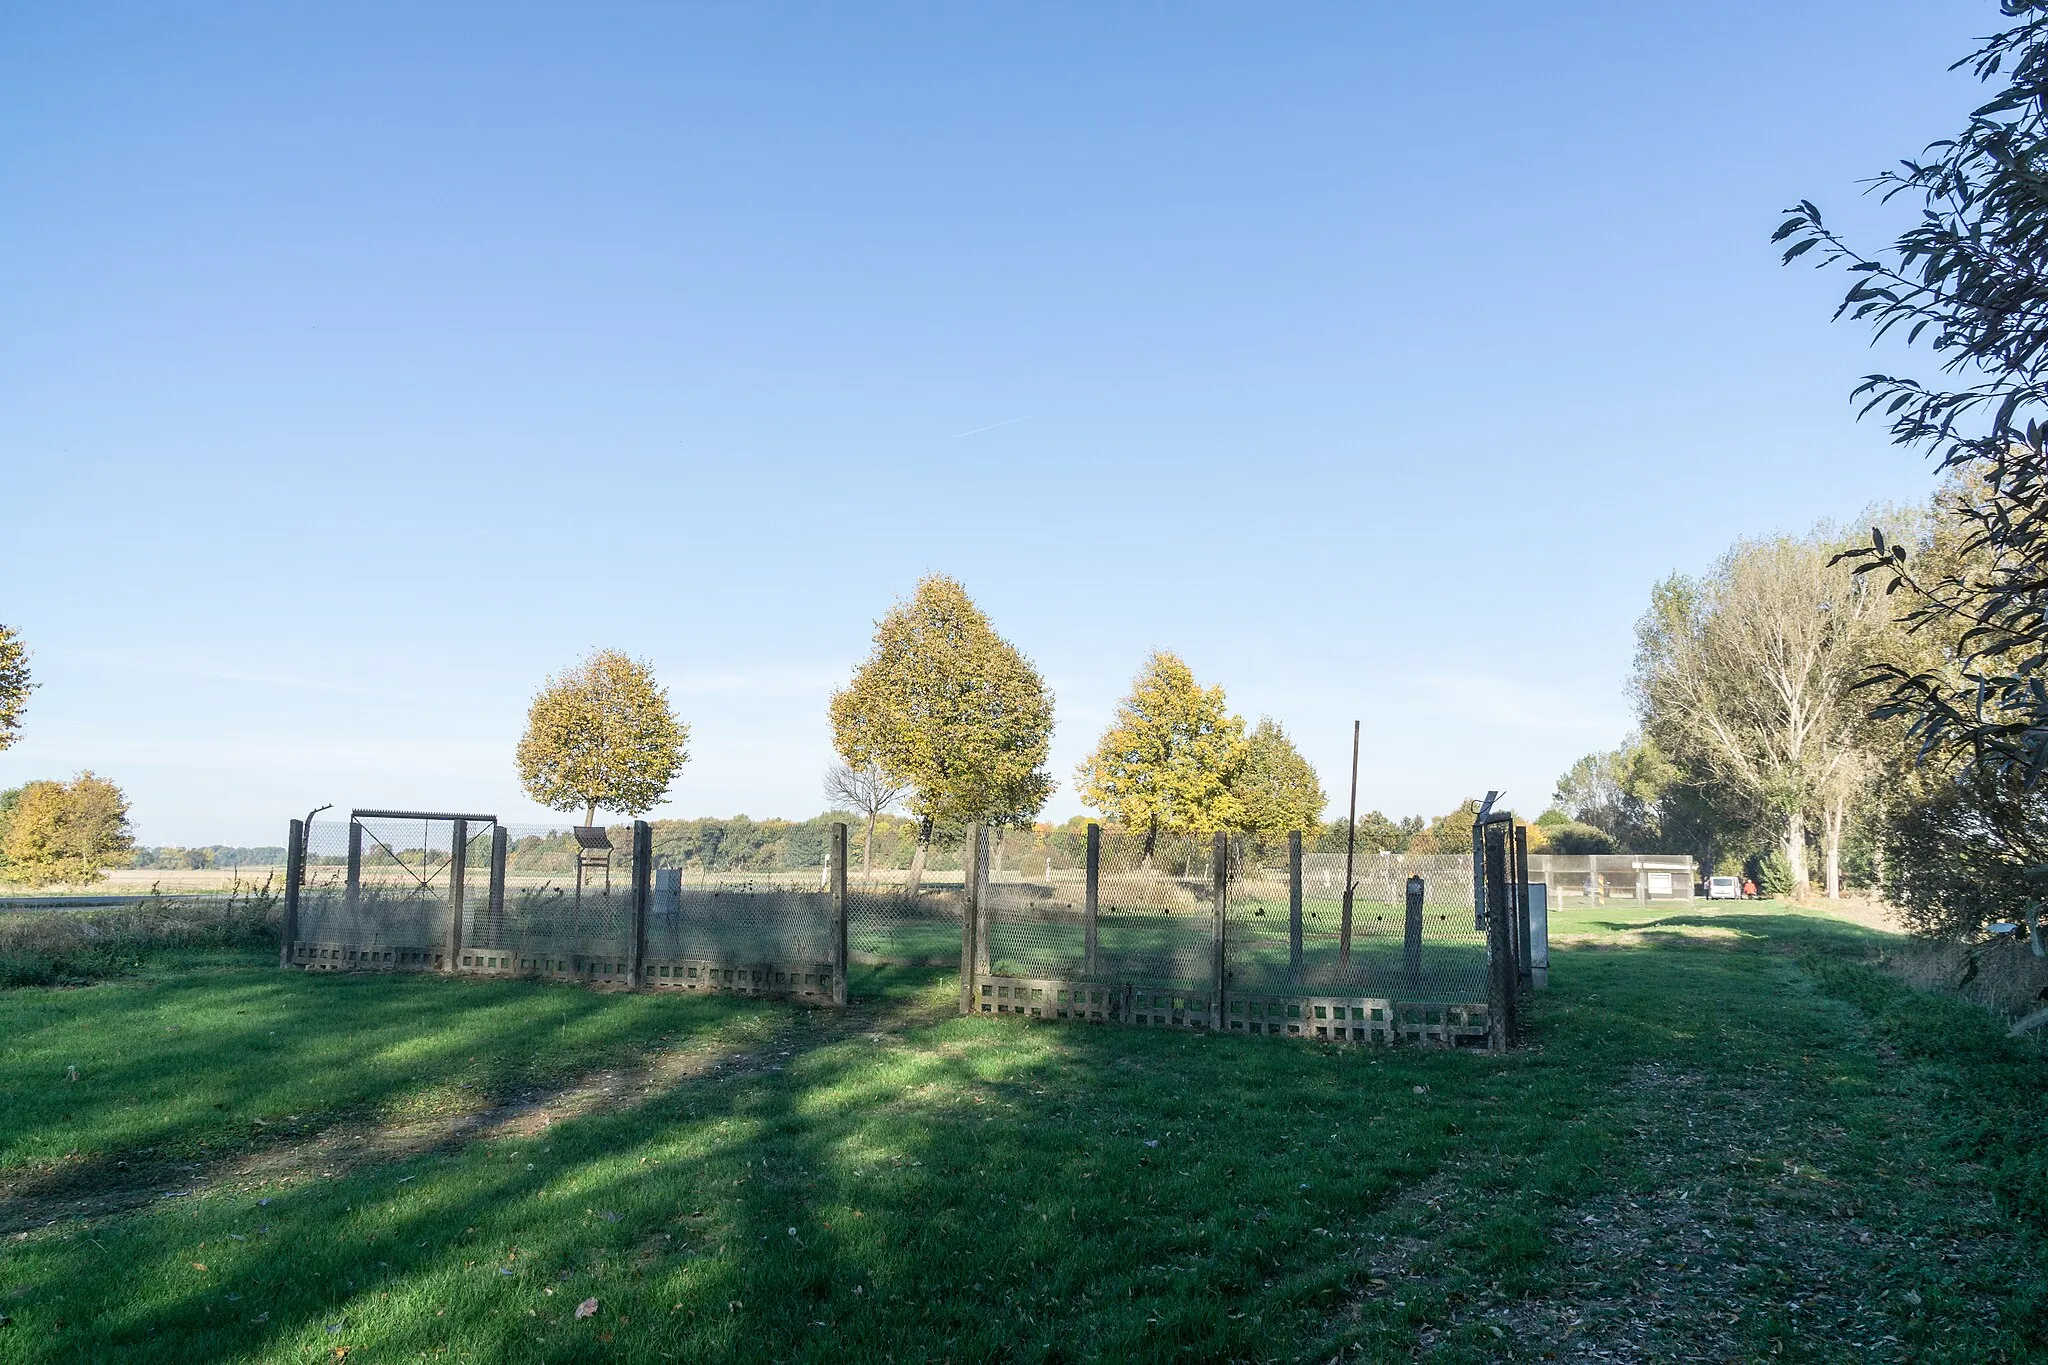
14, 685
950, 709
1170, 758
66, 832
602, 736
1448, 833
1277, 790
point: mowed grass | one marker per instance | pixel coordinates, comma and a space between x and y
1707, 1145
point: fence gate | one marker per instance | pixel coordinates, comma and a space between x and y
388, 890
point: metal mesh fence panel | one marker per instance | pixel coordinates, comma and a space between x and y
758, 931
910, 915
374, 894
1403, 961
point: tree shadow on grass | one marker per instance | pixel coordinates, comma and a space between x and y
978, 1189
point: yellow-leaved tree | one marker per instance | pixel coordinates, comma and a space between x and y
1169, 759
1276, 788
14, 685
950, 709
66, 832
602, 736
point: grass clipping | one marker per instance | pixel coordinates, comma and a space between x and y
53, 947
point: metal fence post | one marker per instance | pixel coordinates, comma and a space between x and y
1411, 941
458, 859
1092, 899
838, 856
499, 842
294, 876
1294, 966
643, 892
1216, 956
970, 916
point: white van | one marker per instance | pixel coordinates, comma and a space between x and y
1724, 889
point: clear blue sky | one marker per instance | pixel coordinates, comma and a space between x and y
361, 364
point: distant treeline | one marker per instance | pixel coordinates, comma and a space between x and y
212, 855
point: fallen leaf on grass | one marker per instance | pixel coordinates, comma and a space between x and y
197, 1266
586, 1309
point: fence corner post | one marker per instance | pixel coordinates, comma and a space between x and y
643, 883
499, 843
1411, 937
970, 918
839, 963
1221, 859
458, 857
294, 877
1092, 899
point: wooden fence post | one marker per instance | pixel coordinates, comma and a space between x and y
1294, 963
458, 857
1216, 955
838, 856
1092, 901
499, 843
352, 894
982, 866
970, 919
294, 876
1411, 942
643, 892
1500, 941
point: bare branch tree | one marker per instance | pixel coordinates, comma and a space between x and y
869, 791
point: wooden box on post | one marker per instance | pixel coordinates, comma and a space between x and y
838, 877
294, 877
643, 893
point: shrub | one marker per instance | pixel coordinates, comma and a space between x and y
45, 947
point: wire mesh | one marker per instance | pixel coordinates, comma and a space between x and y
375, 893
908, 916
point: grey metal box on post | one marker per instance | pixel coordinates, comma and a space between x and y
838, 875
643, 894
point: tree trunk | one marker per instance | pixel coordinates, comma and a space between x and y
1836, 821
1795, 852
912, 882
867, 850
589, 814
996, 856
1151, 842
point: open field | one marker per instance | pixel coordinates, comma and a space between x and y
1728, 1141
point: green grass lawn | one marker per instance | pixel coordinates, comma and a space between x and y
1726, 1139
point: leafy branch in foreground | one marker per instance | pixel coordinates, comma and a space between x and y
1969, 280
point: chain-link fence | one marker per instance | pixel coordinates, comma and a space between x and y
1230, 933
1226, 933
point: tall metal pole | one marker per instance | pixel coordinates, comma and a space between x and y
1350, 847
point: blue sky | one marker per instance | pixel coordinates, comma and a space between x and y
360, 365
